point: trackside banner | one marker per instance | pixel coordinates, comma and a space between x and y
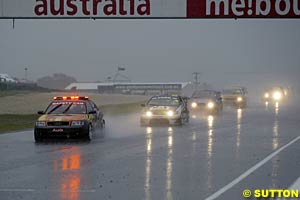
149, 8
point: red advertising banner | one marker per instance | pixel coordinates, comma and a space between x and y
145, 9
243, 8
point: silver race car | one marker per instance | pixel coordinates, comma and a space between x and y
165, 109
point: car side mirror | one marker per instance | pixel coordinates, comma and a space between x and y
143, 105
40, 112
93, 112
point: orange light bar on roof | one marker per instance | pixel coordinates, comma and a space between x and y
71, 98
74, 97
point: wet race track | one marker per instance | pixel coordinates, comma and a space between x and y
212, 157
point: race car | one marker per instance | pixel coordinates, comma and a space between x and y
208, 101
235, 96
72, 116
165, 109
275, 94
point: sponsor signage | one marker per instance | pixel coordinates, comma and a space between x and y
150, 9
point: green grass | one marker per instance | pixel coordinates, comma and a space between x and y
4, 93
10, 122
121, 108
16, 122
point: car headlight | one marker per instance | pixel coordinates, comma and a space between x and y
239, 99
40, 124
149, 114
210, 105
277, 95
267, 95
77, 123
194, 105
170, 113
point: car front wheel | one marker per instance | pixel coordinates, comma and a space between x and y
37, 137
89, 133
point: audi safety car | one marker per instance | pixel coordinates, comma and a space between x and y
72, 116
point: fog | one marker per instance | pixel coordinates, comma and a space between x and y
255, 53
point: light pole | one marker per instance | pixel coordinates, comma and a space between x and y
25, 70
196, 78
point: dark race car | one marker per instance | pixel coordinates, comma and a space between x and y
235, 96
275, 94
207, 101
165, 109
68, 117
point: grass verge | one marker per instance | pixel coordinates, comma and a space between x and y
4, 93
12, 122
118, 109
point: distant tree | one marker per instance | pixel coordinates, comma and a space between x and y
57, 81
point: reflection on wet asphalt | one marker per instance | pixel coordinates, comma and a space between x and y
126, 161
69, 166
148, 163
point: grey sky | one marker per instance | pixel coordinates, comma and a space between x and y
225, 51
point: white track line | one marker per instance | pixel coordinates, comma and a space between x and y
296, 185
249, 171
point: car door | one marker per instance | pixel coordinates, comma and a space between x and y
92, 116
99, 112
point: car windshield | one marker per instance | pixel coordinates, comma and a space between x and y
232, 91
164, 101
66, 108
203, 94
